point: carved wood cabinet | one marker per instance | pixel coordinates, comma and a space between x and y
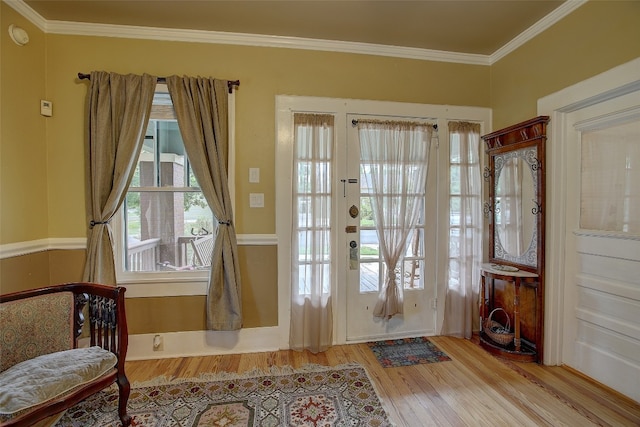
512, 285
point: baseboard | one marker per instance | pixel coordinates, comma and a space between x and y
203, 343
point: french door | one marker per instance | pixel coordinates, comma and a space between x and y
365, 270
357, 271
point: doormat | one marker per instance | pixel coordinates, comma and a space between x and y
313, 396
406, 352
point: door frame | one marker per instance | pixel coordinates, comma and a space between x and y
286, 105
610, 84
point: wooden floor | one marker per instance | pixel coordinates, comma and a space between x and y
473, 389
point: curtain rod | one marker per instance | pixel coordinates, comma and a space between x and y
230, 83
354, 122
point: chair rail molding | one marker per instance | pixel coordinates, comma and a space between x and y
10, 250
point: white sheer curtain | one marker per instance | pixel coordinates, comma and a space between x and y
465, 231
311, 316
394, 159
610, 187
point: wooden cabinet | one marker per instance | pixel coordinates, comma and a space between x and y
517, 295
512, 288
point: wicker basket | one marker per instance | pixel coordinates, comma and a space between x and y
497, 332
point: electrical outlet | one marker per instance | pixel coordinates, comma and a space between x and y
158, 343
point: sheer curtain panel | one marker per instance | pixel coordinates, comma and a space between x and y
311, 315
117, 117
201, 107
394, 158
465, 231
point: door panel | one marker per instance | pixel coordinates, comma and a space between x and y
366, 270
601, 311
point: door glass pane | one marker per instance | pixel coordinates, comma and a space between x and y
369, 277
610, 194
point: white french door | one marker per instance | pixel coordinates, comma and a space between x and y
366, 270
357, 273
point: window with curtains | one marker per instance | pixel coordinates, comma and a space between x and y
167, 224
313, 173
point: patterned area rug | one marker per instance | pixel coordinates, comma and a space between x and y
315, 396
406, 352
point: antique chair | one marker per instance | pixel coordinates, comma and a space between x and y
40, 335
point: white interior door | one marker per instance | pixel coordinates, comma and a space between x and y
602, 276
365, 268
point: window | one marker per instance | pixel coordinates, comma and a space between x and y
166, 224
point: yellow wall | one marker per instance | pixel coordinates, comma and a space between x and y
263, 73
24, 209
594, 38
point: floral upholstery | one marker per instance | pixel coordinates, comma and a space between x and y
35, 326
50, 376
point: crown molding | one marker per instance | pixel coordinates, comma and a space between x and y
215, 37
242, 39
23, 9
556, 15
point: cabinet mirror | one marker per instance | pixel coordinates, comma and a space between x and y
516, 194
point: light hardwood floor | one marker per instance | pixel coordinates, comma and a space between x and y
473, 389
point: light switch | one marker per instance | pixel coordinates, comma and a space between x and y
254, 175
256, 200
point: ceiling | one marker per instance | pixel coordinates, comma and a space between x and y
470, 27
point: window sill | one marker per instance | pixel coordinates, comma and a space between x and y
164, 286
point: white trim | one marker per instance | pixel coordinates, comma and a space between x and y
10, 250
23, 9
610, 84
257, 239
217, 37
204, 343
538, 28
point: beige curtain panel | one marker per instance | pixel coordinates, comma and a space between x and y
201, 107
117, 116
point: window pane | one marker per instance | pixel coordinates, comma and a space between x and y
610, 172
415, 243
161, 228
369, 277
454, 210
454, 145
412, 276
369, 244
454, 172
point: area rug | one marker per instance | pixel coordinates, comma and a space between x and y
315, 396
406, 352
